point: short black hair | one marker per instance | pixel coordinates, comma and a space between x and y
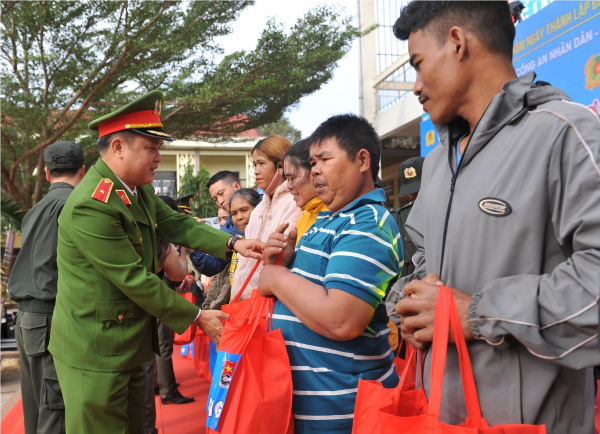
249, 195
352, 134
104, 142
299, 155
225, 176
54, 173
490, 21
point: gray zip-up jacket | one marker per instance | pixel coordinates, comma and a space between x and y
517, 227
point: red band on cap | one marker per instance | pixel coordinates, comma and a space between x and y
142, 119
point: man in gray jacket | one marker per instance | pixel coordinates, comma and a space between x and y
508, 215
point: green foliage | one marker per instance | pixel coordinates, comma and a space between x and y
202, 205
11, 213
65, 63
282, 128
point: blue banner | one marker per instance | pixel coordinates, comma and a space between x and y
225, 367
429, 136
212, 356
561, 43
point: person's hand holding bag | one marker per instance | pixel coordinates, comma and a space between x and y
277, 244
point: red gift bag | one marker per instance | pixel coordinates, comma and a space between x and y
411, 374
201, 355
190, 333
403, 416
372, 396
259, 400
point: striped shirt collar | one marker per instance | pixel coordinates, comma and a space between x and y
373, 196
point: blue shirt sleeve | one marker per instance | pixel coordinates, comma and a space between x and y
207, 264
365, 257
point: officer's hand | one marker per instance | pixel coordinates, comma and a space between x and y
279, 242
210, 323
249, 248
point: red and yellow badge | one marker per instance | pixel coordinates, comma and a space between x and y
102, 192
123, 197
592, 72
429, 138
410, 172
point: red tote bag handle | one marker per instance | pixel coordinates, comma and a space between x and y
239, 294
446, 316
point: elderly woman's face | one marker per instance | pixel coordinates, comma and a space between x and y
240, 211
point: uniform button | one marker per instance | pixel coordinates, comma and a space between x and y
121, 317
140, 240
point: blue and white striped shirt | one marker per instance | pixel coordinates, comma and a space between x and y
357, 250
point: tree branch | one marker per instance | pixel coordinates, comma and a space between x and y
8, 145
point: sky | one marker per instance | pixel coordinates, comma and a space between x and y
339, 95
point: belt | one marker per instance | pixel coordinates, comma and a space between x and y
35, 305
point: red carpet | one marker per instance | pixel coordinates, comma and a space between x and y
13, 421
185, 418
172, 419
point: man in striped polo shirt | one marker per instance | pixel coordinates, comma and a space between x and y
328, 301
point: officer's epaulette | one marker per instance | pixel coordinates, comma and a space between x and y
102, 192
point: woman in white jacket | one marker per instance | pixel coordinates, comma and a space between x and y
277, 206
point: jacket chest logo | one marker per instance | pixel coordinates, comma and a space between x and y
495, 207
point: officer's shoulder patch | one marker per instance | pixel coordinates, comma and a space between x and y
123, 197
102, 192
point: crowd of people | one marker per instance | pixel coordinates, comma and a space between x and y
505, 211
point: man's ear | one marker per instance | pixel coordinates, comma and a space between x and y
117, 145
47, 174
459, 41
364, 158
236, 186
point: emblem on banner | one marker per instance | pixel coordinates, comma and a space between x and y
430, 138
592, 72
227, 373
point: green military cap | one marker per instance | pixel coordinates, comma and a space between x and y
63, 156
410, 175
141, 116
184, 202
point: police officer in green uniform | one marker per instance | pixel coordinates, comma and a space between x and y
409, 175
32, 285
410, 179
109, 297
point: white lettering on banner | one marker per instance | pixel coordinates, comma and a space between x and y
584, 38
211, 403
565, 47
218, 409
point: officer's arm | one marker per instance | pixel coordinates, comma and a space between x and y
185, 231
114, 250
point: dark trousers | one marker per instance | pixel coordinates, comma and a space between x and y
149, 399
164, 363
43, 406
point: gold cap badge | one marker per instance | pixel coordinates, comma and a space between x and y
157, 107
410, 172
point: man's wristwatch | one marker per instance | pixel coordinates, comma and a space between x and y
232, 242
